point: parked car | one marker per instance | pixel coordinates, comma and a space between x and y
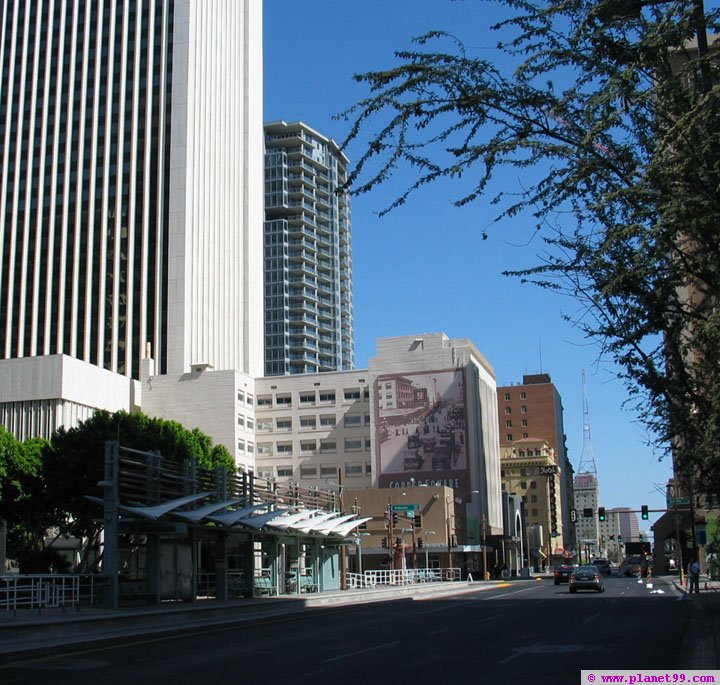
586, 578
603, 566
562, 573
412, 460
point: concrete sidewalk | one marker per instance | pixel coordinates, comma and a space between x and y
28, 631
701, 644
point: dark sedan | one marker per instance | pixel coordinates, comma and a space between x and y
586, 578
562, 573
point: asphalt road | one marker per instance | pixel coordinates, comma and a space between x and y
529, 632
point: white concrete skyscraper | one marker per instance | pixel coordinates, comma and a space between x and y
131, 170
308, 255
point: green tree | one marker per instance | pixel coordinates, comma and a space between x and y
73, 462
21, 494
612, 107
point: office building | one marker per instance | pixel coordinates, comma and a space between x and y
533, 410
131, 194
130, 187
308, 256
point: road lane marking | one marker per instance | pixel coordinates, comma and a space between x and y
592, 616
387, 645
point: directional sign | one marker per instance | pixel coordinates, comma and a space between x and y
678, 501
405, 507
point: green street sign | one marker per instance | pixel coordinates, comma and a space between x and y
405, 507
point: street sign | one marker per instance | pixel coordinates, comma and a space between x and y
405, 507
678, 502
548, 470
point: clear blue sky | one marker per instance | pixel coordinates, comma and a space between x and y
424, 268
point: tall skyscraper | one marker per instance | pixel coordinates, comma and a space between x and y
308, 256
130, 182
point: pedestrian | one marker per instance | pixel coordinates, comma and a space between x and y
694, 576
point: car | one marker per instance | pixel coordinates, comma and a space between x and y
586, 578
562, 573
603, 566
412, 460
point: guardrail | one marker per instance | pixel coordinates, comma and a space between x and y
411, 576
41, 591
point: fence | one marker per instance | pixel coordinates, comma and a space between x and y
402, 577
48, 591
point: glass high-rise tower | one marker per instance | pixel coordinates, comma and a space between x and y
131, 161
308, 256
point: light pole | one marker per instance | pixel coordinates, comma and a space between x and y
427, 554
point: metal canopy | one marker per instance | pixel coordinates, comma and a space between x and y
307, 525
259, 521
230, 518
196, 515
344, 529
289, 521
155, 512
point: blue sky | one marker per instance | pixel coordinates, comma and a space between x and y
425, 268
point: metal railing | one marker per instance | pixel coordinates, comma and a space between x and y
370, 579
50, 591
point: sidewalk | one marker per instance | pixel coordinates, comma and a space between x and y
701, 644
30, 631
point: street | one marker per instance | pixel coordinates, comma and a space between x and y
524, 632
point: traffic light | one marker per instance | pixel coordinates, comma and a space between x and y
601, 514
587, 512
620, 539
395, 519
385, 543
644, 515
420, 543
641, 537
417, 521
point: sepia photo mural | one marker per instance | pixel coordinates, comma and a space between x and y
421, 434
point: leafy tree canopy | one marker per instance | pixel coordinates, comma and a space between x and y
613, 105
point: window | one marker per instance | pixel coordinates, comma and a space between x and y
307, 398
523, 485
328, 446
368, 444
353, 444
523, 409
507, 396
533, 485
264, 424
508, 410
367, 419
353, 470
241, 397
308, 423
241, 421
308, 445
524, 423
283, 424
308, 472
250, 423
264, 448
327, 470
352, 394
523, 395
533, 498
327, 421
241, 446
283, 400
265, 401
251, 447
534, 512
525, 435
284, 471
508, 424
509, 439
327, 396
352, 420
249, 400
284, 448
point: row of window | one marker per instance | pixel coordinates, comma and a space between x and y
308, 423
310, 398
523, 409
324, 471
269, 449
523, 396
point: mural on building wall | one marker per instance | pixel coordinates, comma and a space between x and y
421, 429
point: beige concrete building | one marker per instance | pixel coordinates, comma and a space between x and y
529, 470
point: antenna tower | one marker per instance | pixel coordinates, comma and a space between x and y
587, 457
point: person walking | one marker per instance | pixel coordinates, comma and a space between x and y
694, 576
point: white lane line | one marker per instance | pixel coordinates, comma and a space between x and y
592, 617
349, 655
